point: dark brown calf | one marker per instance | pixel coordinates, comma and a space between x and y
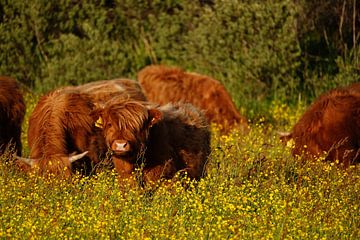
331, 124
163, 84
12, 111
159, 140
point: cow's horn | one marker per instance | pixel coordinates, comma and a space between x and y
29, 161
284, 134
77, 156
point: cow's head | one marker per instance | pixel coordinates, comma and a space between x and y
126, 126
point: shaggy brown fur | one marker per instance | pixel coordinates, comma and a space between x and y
12, 111
163, 84
60, 125
331, 124
353, 88
159, 140
103, 90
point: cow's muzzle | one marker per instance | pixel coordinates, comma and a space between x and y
121, 147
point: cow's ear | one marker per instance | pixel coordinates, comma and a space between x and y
155, 116
96, 115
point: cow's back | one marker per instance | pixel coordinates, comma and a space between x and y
103, 90
353, 88
55, 114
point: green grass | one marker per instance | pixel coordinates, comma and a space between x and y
254, 189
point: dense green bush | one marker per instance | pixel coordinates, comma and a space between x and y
328, 32
250, 46
260, 50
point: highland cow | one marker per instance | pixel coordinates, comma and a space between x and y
12, 111
163, 84
60, 125
161, 141
331, 126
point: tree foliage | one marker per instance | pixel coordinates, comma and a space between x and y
260, 50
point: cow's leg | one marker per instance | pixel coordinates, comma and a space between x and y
195, 164
161, 171
125, 171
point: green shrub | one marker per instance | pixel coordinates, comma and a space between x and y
249, 46
260, 50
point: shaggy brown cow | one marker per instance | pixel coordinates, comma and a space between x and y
331, 124
163, 84
159, 140
12, 111
61, 124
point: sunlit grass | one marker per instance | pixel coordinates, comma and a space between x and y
254, 189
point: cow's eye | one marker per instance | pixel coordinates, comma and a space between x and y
108, 125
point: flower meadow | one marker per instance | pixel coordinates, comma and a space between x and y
254, 189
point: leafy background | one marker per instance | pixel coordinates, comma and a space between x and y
260, 50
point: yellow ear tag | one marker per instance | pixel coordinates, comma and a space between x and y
99, 123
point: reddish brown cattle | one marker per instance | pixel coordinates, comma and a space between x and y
163, 84
61, 124
159, 140
12, 111
331, 124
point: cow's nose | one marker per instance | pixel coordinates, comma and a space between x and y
120, 146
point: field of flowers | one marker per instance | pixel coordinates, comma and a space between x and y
254, 189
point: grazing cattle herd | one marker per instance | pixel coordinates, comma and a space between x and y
157, 126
